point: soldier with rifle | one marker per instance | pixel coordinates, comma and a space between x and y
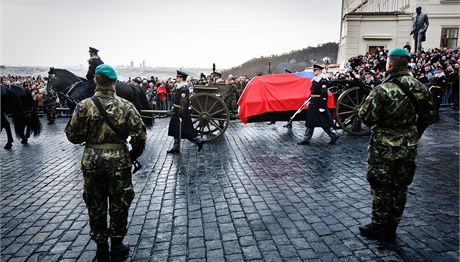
104, 122
318, 114
180, 125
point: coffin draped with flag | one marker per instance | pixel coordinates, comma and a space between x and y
276, 97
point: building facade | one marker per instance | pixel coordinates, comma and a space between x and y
369, 24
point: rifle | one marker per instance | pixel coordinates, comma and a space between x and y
297, 112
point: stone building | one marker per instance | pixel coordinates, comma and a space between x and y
368, 24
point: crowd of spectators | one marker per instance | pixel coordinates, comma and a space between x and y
159, 92
428, 66
36, 85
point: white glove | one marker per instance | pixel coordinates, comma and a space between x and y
322, 110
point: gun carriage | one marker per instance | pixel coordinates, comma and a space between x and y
349, 95
209, 111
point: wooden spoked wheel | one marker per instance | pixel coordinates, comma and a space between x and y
347, 107
210, 115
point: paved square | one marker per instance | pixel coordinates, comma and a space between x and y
253, 195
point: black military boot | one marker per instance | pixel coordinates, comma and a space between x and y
307, 137
199, 142
118, 250
334, 137
102, 252
391, 232
176, 147
378, 232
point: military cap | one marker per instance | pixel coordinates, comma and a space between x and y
93, 50
440, 68
367, 71
107, 71
400, 52
182, 74
137, 80
317, 67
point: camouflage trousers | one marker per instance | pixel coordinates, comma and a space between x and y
112, 190
389, 181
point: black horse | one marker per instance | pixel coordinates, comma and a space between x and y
75, 89
18, 103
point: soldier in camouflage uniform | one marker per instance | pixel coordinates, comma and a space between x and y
396, 129
231, 96
50, 104
106, 162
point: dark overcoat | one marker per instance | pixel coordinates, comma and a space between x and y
181, 103
93, 63
318, 115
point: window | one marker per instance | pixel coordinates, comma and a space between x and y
449, 38
373, 48
344, 29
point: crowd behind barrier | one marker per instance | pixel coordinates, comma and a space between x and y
427, 66
434, 67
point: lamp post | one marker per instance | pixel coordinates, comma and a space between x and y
269, 67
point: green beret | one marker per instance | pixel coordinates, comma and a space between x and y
400, 52
107, 71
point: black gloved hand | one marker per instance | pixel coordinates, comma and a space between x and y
132, 156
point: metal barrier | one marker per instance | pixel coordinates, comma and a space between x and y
166, 105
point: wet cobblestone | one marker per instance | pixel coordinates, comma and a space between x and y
253, 195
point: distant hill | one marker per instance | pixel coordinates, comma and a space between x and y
296, 60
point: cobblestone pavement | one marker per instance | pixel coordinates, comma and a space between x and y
254, 195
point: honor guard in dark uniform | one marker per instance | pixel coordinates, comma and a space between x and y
104, 122
180, 125
398, 111
94, 61
318, 115
437, 89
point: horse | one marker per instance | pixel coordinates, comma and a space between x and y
19, 103
75, 89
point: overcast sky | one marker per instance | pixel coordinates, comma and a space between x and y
172, 33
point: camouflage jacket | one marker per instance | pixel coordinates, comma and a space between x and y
392, 116
87, 125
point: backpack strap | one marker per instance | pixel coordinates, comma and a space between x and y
421, 124
409, 94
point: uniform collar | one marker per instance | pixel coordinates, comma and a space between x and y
396, 72
318, 77
181, 84
104, 90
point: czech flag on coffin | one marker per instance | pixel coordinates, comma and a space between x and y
276, 97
